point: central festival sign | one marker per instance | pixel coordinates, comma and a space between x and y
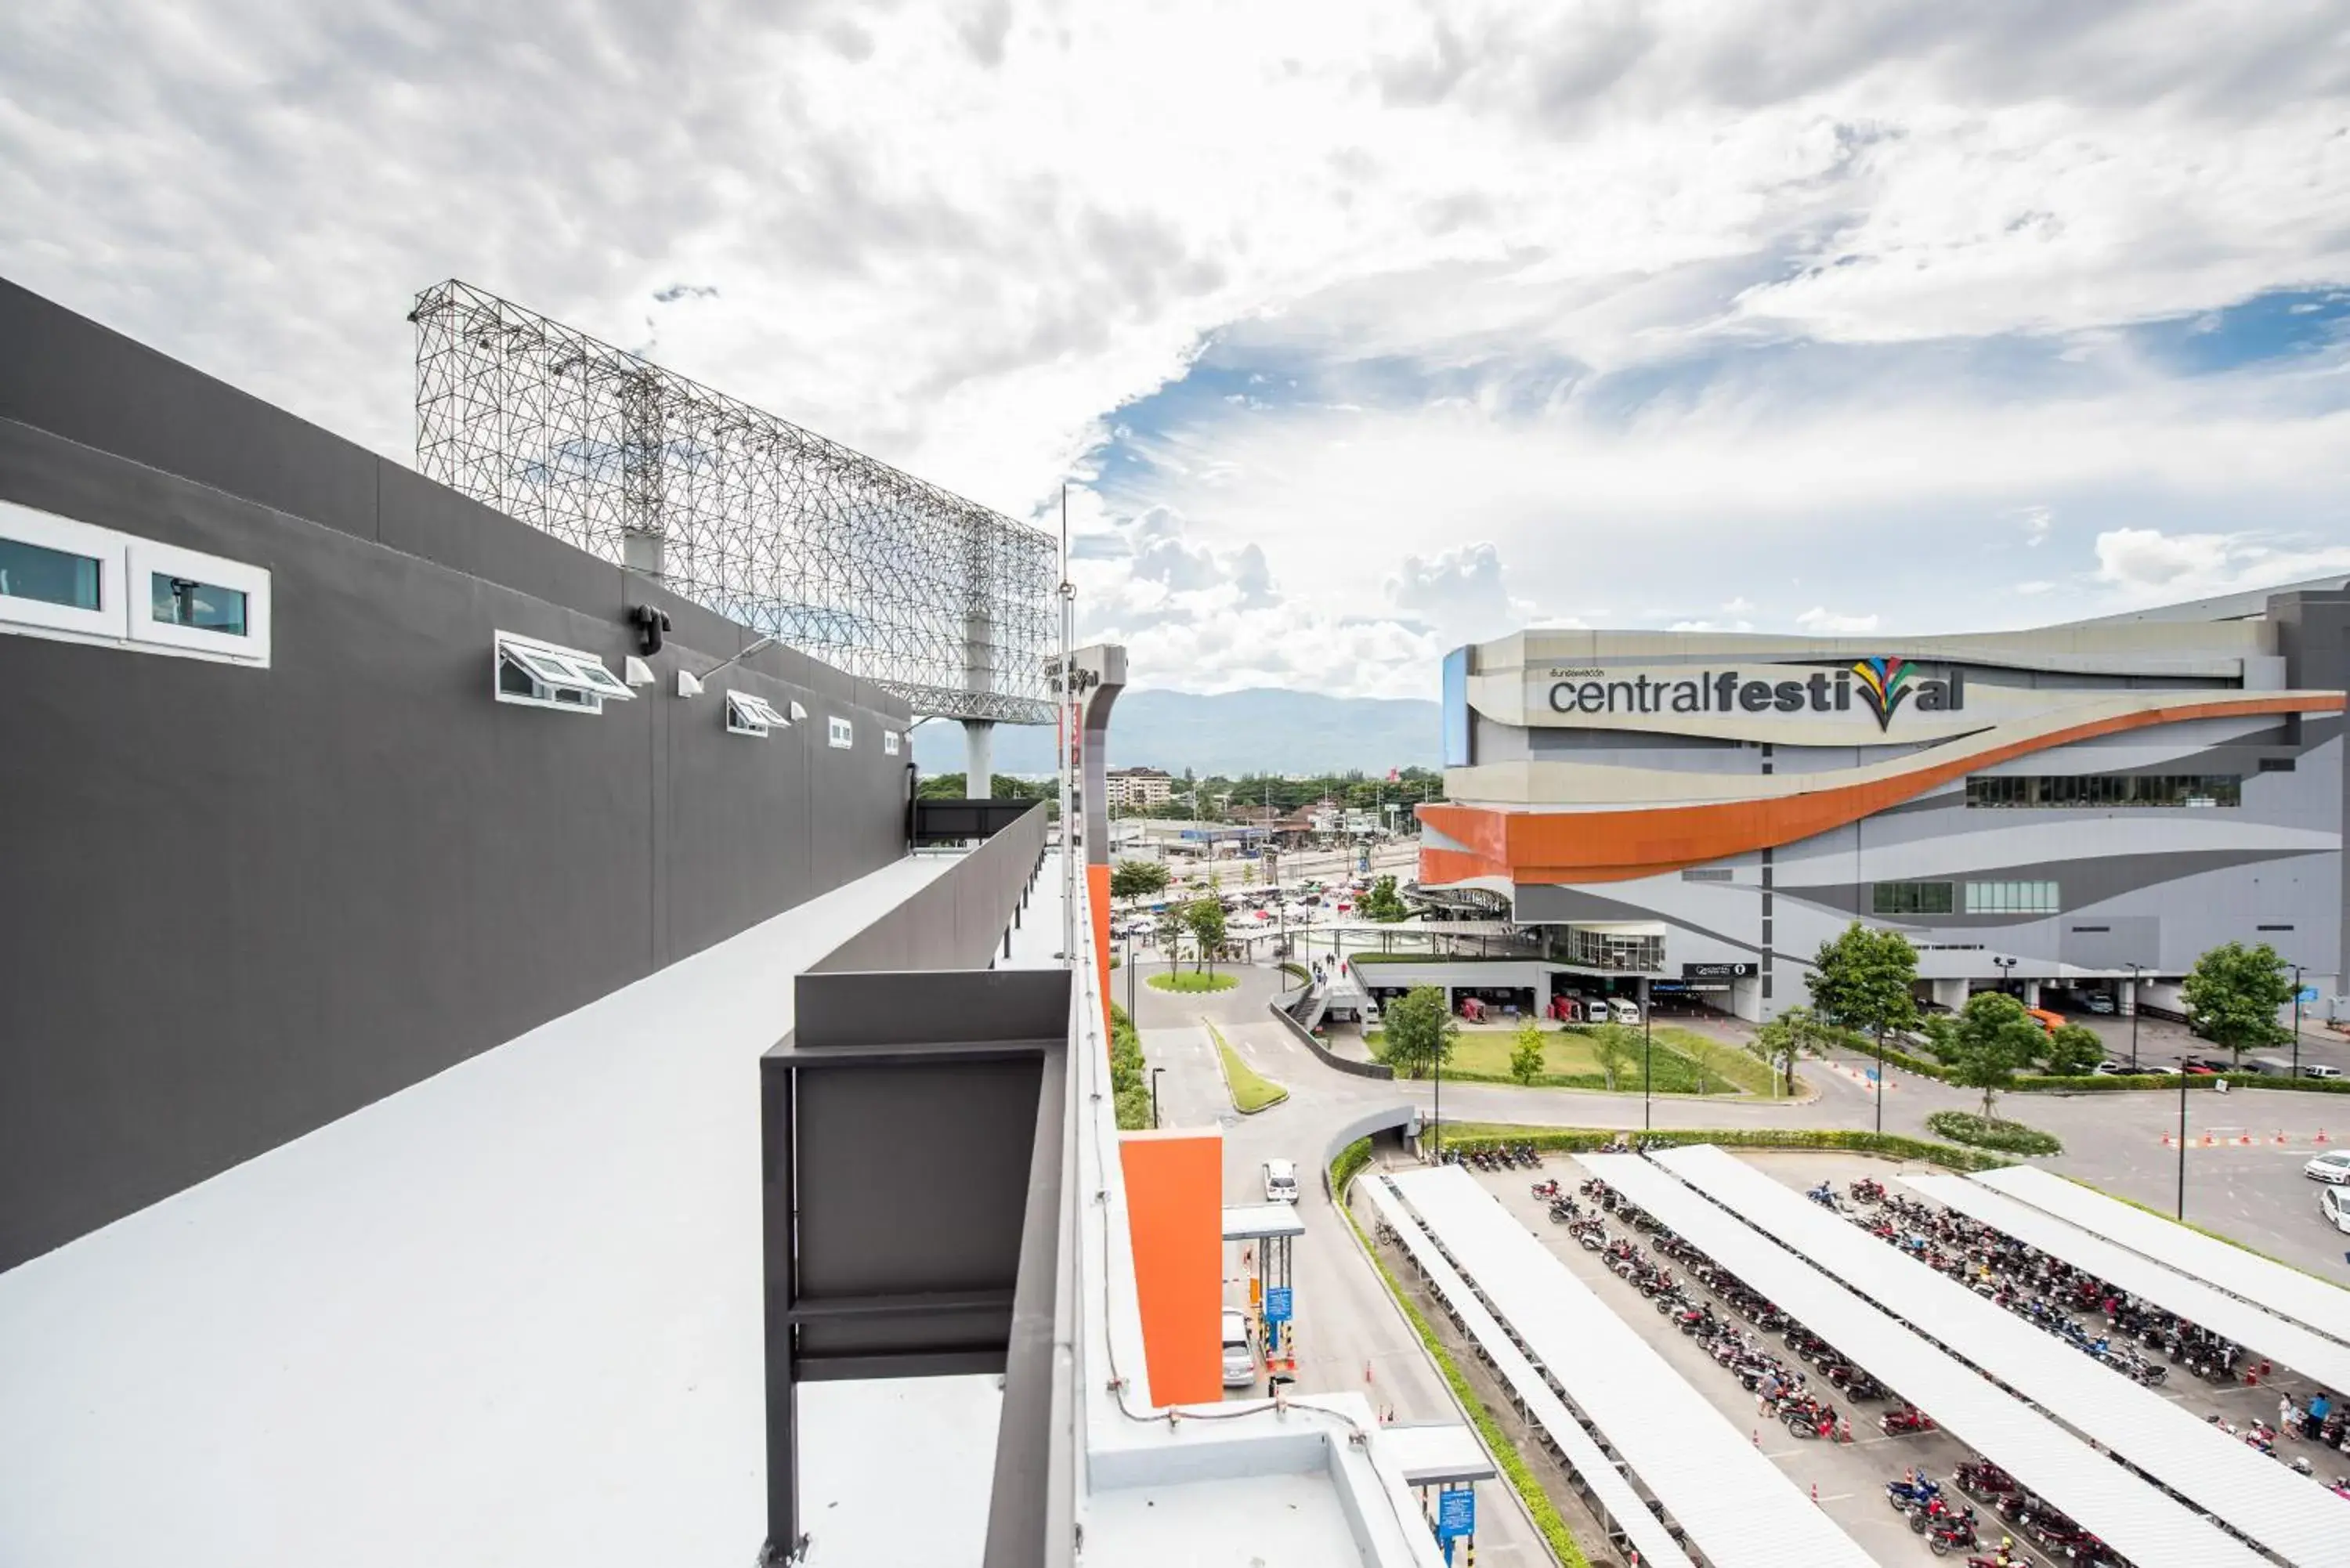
1877, 687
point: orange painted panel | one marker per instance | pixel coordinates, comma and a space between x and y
1175, 1213
1097, 903
1614, 846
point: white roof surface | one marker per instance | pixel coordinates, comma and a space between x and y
2152, 1529
1255, 1221
2311, 1355
1617, 1495
2291, 1514
1739, 1509
2307, 1299
1429, 1453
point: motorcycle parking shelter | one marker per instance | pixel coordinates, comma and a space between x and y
1738, 1509
2282, 1340
2290, 1514
2309, 1301
2147, 1527
1622, 1511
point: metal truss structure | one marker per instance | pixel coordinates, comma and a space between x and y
934, 597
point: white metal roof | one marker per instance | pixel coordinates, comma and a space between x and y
2311, 1355
2152, 1529
1431, 1453
2291, 1514
1255, 1221
1622, 1501
1739, 1509
2307, 1299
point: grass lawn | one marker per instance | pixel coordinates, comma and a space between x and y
1251, 1090
1189, 980
1685, 1062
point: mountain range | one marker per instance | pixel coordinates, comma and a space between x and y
1261, 730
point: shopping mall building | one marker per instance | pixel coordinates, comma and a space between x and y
2075, 808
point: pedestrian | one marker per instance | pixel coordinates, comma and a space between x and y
2288, 1419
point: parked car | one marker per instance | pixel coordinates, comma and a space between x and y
2111, 1069
1625, 1012
2097, 1001
2319, 1070
2330, 1204
2332, 1167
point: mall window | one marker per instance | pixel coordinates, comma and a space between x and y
60, 577
1911, 899
2104, 791
2011, 898
201, 603
546, 675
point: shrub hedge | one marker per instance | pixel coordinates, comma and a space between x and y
1130, 1089
1573, 1140
1190, 982
1993, 1132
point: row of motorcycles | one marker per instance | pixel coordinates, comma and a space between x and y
1918, 1498
1492, 1156
2028, 1516
2046, 1292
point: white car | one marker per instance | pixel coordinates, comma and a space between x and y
2336, 1209
2097, 1001
1281, 1181
1239, 1366
2331, 1167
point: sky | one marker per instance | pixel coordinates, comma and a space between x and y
1356, 331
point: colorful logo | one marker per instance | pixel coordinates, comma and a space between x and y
1883, 686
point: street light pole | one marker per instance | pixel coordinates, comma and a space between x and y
1437, 1116
2182, 1140
1154, 1094
1648, 1045
2296, 1022
2138, 984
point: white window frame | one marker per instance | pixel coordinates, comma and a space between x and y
753, 716
839, 732
889, 743
147, 558
109, 620
554, 668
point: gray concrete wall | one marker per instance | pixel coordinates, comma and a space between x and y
245, 902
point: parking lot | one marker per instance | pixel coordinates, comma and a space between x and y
1848, 1480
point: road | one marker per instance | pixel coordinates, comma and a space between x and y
1351, 1335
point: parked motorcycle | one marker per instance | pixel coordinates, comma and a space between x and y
1906, 1419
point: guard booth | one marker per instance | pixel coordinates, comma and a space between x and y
1264, 1233
1442, 1462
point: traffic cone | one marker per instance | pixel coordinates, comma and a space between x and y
2280, 1136
1815, 1494
1758, 1436
1366, 1372
2207, 1140
2320, 1135
2166, 1140
2244, 1139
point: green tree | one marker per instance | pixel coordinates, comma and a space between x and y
1169, 930
2233, 996
1994, 1037
1383, 902
1862, 981
1614, 1044
1526, 1054
1205, 916
1420, 1030
1137, 878
2073, 1049
1787, 1036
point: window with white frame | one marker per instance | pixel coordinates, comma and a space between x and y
889, 743
2011, 898
839, 732
548, 675
65, 578
749, 715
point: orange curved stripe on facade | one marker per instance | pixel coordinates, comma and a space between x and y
1620, 845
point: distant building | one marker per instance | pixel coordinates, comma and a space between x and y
1137, 789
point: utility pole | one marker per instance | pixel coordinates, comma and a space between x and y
1154, 1094
2137, 985
2296, 1022
2182, 1140
1648, 1044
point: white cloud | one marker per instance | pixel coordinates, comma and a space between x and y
1711, 626
968, 243
1824, 623
2147, 565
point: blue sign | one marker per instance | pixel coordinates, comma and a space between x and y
1456, 1512
1276, 1304
2309, 993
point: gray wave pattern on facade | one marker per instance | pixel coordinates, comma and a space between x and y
849, 560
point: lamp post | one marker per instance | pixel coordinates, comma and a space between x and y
2182, 1140
1438, 1115
2296, 1022
2137, 982
1647, 1042
1129, 976
1154, 1094
2006, 971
